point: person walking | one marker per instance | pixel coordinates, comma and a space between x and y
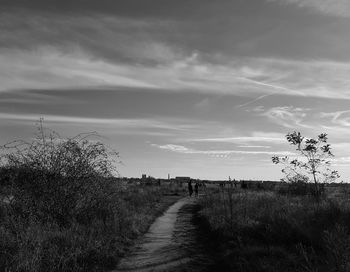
196, 189
190, 188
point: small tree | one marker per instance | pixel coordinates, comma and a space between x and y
313, 162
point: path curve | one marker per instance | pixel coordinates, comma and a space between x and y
170, 244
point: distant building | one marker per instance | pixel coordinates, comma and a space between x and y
182, 179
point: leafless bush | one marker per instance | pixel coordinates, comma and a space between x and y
55, 179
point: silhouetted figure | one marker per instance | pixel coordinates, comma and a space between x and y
196, 189
190, 188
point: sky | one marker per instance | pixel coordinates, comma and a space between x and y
198, 88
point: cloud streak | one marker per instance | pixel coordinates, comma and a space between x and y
49, 68
341, 118
289, 117
339, 8
238, 140
123, 123
185, 150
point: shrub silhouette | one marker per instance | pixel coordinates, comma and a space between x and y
57, 180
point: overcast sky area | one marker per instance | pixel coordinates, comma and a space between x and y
198, 88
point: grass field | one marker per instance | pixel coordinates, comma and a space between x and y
62, 209
27, 244
267, 231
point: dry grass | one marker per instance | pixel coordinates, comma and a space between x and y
97, 246
265, 231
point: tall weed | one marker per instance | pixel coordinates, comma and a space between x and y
253, 225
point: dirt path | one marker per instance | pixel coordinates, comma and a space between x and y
171, 244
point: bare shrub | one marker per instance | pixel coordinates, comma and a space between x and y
55, 179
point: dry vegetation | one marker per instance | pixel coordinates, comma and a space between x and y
62, 210
268, 231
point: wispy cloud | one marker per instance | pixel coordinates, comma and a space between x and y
43, 50
331, 7
341, 118
258, 137
169, 124
186, 150
49, 68
254, 146
287, 116
238, 139
275, 89
72, 67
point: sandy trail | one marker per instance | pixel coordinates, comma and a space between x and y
171, 244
